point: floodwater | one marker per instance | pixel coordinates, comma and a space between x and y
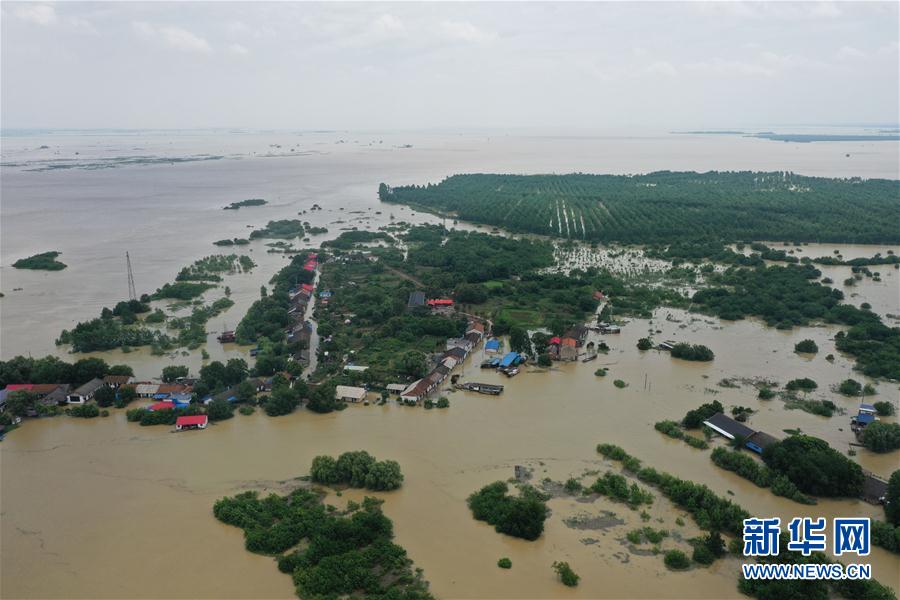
109, 509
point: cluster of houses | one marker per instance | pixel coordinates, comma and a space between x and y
300, 330
568, 346
418, 299
457, 349
58, 394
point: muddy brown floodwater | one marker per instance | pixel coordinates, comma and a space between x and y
105, 508
108, 509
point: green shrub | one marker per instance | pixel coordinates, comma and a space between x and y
884, 409
676, 560
620, 384
702, 556
806, 384
504, 563
765, 394
566, 574
806, 347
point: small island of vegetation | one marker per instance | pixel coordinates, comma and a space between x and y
45, 261
520, 516
342, 553
248, 202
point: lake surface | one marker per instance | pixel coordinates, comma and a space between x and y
109, 509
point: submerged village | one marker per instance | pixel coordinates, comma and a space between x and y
432, 315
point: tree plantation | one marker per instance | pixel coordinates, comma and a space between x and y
666, 205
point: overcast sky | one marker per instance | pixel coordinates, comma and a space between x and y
376, 66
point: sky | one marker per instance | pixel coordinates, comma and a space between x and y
409, 66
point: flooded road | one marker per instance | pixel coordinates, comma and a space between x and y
108, 509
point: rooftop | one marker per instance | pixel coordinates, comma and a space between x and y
728, 426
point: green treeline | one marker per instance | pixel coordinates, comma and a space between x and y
717, 514
667, 206
346, 553
787, 296
748, 468
711, 512
45, 261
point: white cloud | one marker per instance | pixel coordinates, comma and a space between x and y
729, 67
788, 11
46, 16
39, 14
173, 37
388, 26
466, 32
238, 49
662, 67
849, 52
892, 48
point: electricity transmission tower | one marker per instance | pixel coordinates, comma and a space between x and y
132, 295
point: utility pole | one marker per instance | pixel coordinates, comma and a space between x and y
132, 294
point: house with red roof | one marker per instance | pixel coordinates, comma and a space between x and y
164, 405
191, 422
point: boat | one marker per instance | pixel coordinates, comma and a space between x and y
511, 372
589, 358
481, 388
226, 337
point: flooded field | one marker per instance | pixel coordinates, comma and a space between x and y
108, 509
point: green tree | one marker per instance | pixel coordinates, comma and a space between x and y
86, 369
20, 402
323, 399
219, 410
814, 467
124, 396
518, 340
384, 475
353, 467
850, 387
892, 499
246, 393
324, 470
544, 360
412, 363
121, 370
881, 437
282, 401
105, 396
174, 372
644, 344
884, 409
806, 347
